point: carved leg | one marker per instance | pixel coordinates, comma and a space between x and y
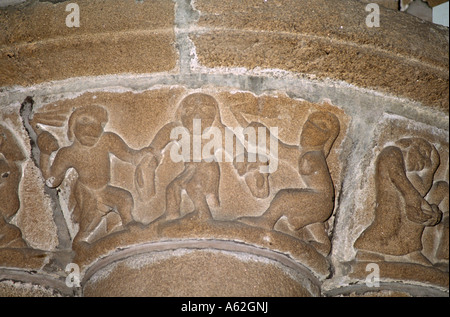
198, 196
265, 221
418, 258
278, 208
301, 207
316, 235
89, 218
173, 200
88, 214
121, 200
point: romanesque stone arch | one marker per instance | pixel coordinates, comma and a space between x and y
222, 148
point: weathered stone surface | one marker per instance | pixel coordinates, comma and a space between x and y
400, 218
222, 149
26, 215
189, 273
388, 290
18, 283
126, 37
326, 40
390, 4
140, 194
403, 271
15, 289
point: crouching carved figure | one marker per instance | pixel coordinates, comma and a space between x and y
407, 202
307, 209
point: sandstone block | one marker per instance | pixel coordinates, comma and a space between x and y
37, 46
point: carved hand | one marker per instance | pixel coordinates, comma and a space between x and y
414, 209
419, 211
436, 216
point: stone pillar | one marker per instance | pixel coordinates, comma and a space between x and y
222, 148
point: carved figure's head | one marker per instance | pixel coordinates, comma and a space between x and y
198, 106
86, 124
421, 158
418, 154
320, 131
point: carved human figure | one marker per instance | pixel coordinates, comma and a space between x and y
89, 155
11, 157
307, 209
404, 176
199, 179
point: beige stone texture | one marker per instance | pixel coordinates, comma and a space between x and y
17, 289
385, 227
137, 119
390, 4
20, 256
327, 41
184, 273
127, 37
114, 165
380, 294
26, 218
404, 271
36, 209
